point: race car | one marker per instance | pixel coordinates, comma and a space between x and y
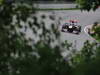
71, 27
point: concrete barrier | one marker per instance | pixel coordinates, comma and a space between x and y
55, 6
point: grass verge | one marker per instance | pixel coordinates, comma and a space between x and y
97, 38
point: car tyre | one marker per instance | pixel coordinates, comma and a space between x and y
62, 30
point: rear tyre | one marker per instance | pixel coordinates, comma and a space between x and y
77, 33
62, 30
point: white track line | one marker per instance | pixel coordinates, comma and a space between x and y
86, 29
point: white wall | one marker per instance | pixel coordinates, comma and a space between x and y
44, 6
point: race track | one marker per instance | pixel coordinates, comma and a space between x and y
84, 18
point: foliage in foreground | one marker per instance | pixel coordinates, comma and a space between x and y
87, 61
88, 4
19, 57
22, 56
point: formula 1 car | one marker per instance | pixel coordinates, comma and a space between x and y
71, 27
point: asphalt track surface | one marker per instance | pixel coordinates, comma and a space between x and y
84, 19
